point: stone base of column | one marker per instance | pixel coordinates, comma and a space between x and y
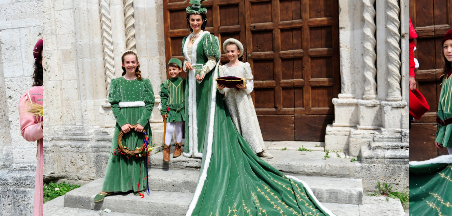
337, 138
394, 114
359, 138
369, 115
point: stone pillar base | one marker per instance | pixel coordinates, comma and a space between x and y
359, 138
337, 138
345, 112
369, 117
394, 114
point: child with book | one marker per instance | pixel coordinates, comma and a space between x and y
238, 99
172, 96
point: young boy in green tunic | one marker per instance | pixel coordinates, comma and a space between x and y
172, 95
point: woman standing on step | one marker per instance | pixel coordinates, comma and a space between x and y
132, 100
232, 179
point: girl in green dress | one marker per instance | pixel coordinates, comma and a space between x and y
132, 100
173, 96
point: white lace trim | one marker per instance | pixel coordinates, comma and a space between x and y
446, 159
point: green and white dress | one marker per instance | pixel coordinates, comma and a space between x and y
233, 180
132, 102
172, 95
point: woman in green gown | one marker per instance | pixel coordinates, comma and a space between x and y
233, 180
132, 101
430, 180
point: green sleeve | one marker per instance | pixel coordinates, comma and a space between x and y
114, 97
164, 94
149, 101
211, 47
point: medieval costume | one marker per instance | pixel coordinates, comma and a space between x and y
240, 104
413, 63
232, 178
172, 94
132, 102
31, 125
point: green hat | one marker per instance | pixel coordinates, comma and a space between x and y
196, 8
175, 61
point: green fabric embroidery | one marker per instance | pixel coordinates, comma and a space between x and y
172, 95
443, 133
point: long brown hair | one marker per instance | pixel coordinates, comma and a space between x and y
137, 70
37, 74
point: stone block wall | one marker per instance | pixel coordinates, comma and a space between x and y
21, 25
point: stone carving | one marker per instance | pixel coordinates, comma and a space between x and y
131, 42
393, 25
107, 40
369, 46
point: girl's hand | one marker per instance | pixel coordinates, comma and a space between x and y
139, 128
199, 78
188, 66
126, 128
220, 87
240, 86
438, 145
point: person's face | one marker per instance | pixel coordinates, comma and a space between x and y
130, 63
447, 50
196, 22
173, 71
232, 52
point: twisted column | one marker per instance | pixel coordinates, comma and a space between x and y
394, 77
369, 50
131, 42
107, 41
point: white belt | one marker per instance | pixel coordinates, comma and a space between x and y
132, 104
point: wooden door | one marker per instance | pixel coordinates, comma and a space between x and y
293, 49
431, 20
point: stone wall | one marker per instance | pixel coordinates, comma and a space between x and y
20, 27
86, 41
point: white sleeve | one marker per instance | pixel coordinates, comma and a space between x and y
248, 78
210, 64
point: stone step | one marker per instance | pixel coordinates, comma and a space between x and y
162, 203
326, 189
297, 162
157, 203
295, 145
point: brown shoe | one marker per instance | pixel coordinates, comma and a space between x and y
166, 153
177, 151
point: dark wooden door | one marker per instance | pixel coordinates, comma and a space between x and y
431, 20
293, 49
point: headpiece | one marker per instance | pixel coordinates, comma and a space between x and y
447, 36
175, 61
196, 7
236, 42
37, 50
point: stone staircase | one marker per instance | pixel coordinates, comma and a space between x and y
172, 185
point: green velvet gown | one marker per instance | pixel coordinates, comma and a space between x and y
172, 95
126, 173
233, 180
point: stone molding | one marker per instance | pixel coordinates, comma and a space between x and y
393, 49
370, 55
129, 22
107, 41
